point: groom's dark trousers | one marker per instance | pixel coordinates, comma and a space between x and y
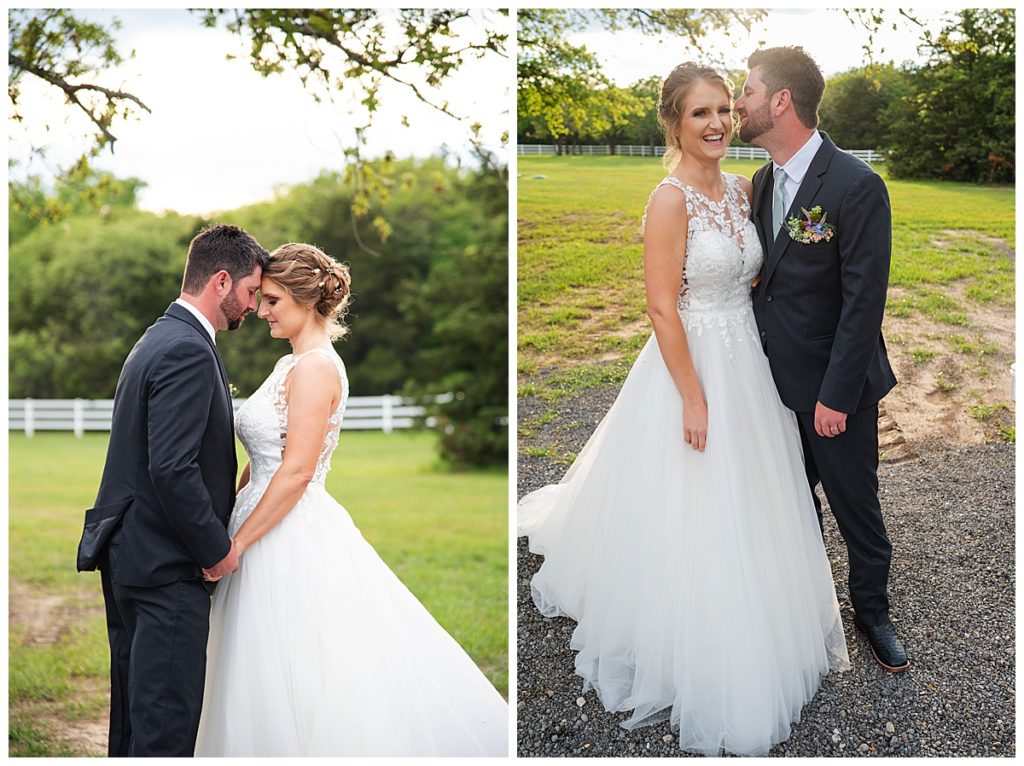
160, 518
819, 312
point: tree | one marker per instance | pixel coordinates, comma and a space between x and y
645, 129
334, 50
70, 54
959, 123
853, 108
558, 80
464, 302
331, 50
81, 293
31, 203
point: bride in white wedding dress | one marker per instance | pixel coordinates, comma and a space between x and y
316, 648
683, 540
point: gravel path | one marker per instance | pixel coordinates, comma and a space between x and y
950, 515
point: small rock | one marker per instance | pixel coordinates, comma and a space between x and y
580, 702
667, 738
863, 747
584, 718
836, 738
890, 728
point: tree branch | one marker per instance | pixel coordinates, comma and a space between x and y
71, 92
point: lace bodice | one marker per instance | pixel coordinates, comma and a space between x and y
262, 422
723, 257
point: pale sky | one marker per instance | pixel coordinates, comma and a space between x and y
826, 35
221, 136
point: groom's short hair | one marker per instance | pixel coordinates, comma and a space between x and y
217, 247
789, 67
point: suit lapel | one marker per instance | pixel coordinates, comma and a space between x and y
803, 199
177, 312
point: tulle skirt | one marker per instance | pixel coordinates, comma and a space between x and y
317, 649
699, 581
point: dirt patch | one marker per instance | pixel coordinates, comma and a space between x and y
44, 618
941, 380
85, 737
90, 736
629, 329
948, 236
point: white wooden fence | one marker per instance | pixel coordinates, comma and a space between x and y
363, 413
733, 152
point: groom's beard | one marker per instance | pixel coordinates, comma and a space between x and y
233, 310
756, 122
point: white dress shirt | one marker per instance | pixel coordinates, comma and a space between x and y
202, 319
797, 167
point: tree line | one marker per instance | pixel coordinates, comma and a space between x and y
429, 311
949, 115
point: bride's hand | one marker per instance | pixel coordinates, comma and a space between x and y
695, 423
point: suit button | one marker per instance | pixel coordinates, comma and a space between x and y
769, 299
764, 334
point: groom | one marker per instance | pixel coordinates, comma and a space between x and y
819, 305
168, 487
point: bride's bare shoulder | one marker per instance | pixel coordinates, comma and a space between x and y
746, 185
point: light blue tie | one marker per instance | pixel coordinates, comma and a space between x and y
778, 201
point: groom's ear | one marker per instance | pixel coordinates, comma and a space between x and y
782, 99
221, 282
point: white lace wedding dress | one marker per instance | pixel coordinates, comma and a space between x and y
699, 581
316, 648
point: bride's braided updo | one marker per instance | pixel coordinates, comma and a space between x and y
673, 94
315, 280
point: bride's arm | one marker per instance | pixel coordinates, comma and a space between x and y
664, 257
243, 479
313, 393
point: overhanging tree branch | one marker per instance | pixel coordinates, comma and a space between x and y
71, 91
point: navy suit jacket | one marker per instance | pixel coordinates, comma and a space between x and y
819, 306
168, 484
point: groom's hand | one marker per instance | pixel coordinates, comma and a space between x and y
828, 422
225, 566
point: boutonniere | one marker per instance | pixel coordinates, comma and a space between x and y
233, 390
811, 228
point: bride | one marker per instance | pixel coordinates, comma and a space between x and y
316, 648
683, 540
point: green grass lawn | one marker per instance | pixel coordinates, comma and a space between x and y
580, 272
445, 534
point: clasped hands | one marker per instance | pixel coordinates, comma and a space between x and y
225, 566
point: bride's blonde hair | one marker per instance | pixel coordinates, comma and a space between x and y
314, 280
673, 94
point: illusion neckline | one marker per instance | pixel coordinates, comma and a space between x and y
706, 198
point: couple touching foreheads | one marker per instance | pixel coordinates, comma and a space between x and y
685, 539
311, 645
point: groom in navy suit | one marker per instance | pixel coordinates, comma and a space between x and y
158, 529
824, 220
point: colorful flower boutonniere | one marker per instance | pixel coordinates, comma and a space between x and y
811, 228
